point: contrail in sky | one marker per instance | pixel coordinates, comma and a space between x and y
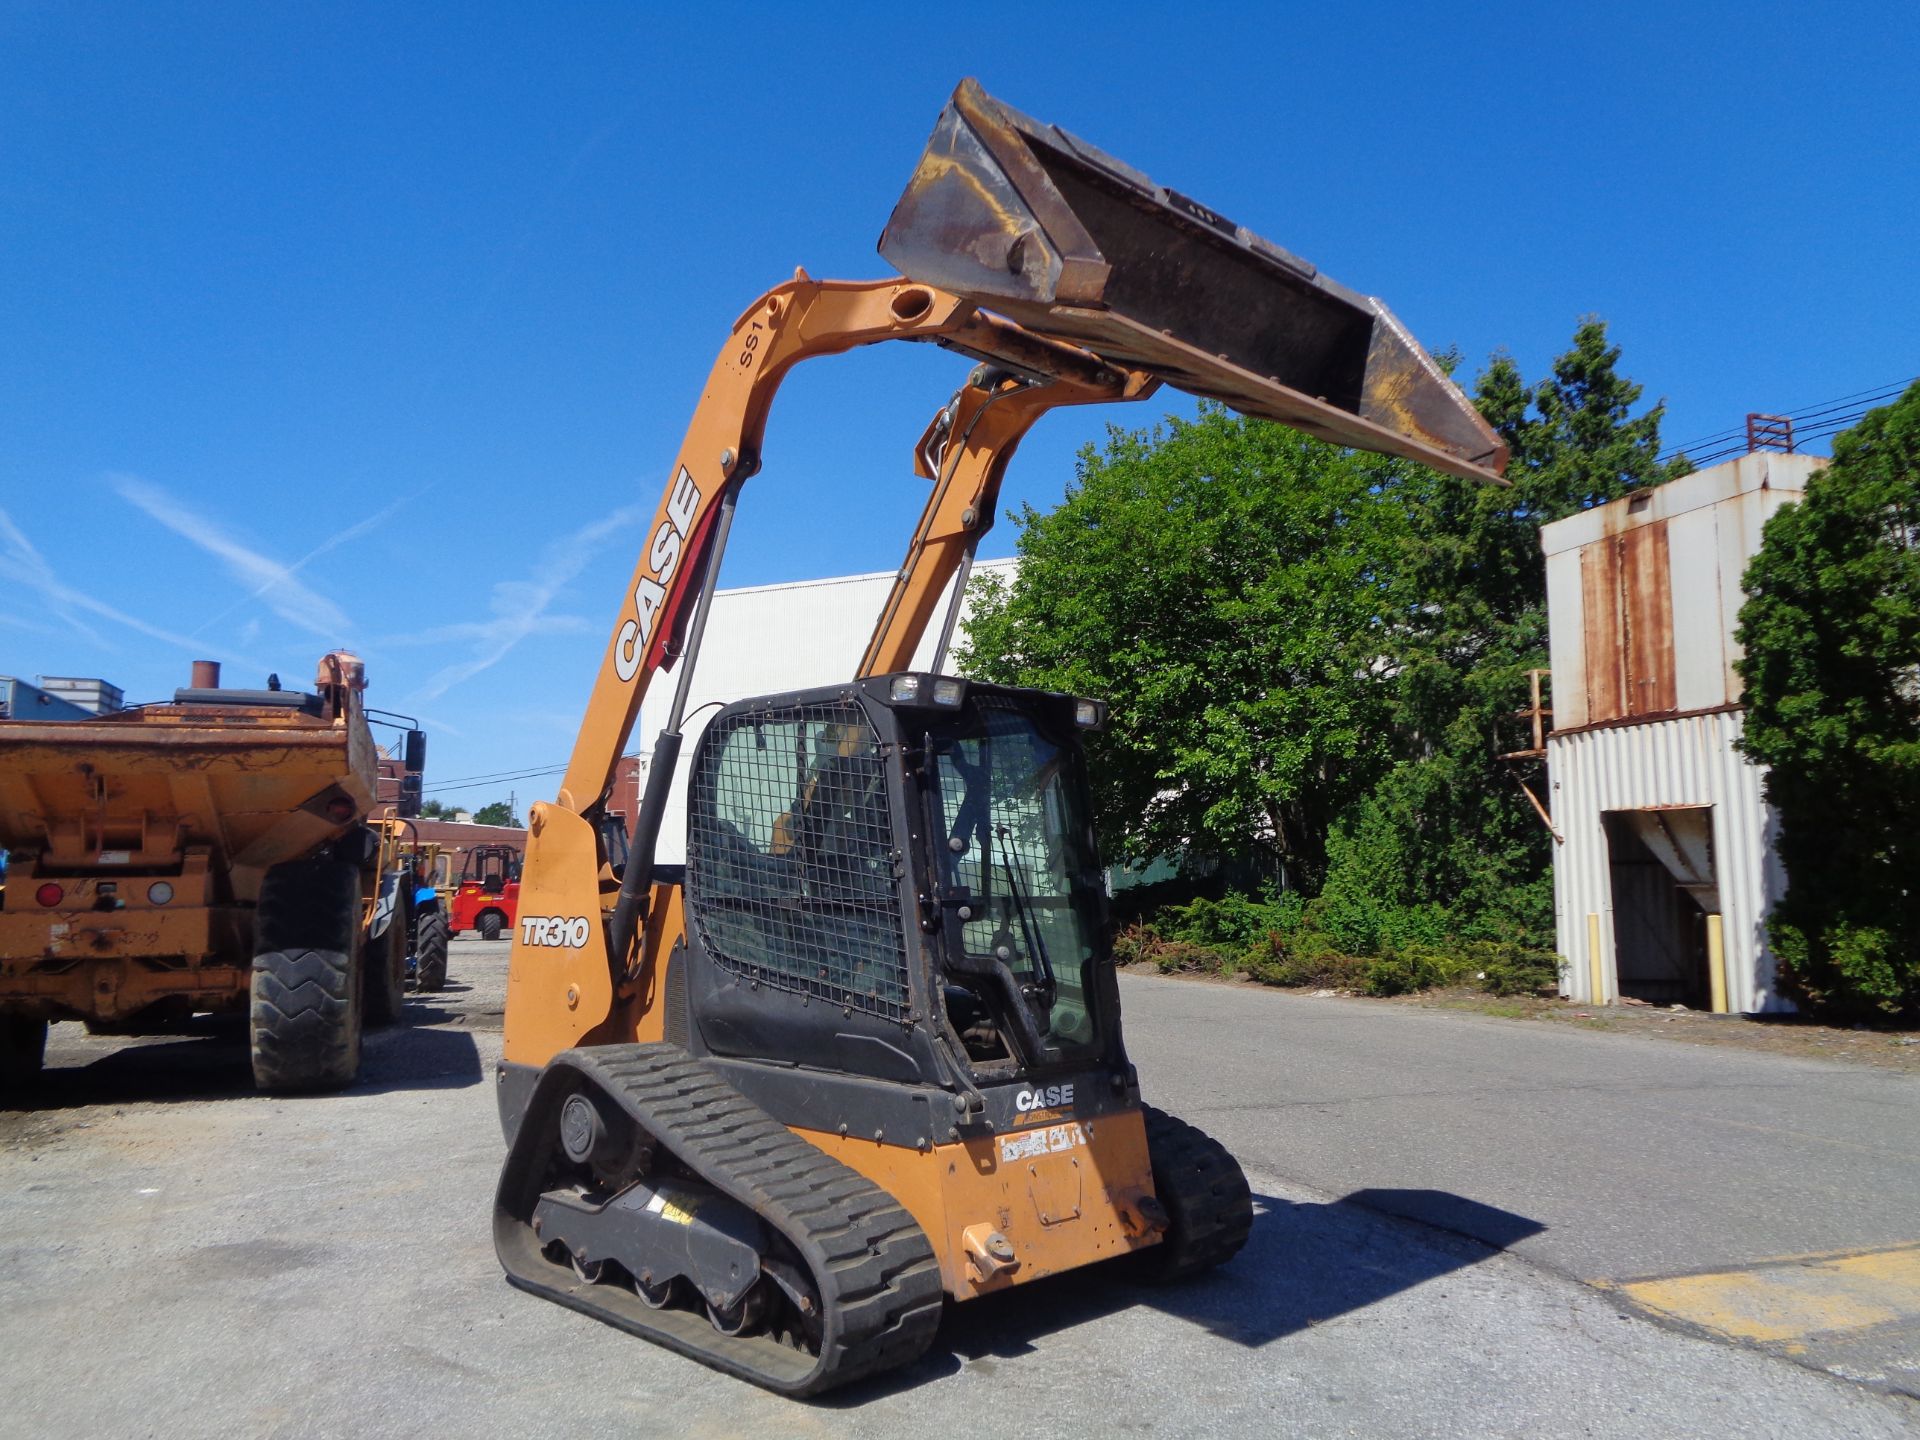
520, 606
271, 581
352, 532
22, 563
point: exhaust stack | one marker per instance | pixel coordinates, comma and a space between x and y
1026, 220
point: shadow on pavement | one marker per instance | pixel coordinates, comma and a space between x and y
207, 1060
1304, 1264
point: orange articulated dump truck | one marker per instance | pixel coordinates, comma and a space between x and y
862, 1055
206, 855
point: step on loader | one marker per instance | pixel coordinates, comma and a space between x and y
862, 1054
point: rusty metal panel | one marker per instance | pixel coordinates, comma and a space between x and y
1690, 761
1027, 220
1627, 624
1646, 605
1601, 630
1714, 519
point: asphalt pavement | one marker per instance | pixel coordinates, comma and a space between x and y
1615, 1159
181, 1257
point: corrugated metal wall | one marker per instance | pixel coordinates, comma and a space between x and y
1679, 762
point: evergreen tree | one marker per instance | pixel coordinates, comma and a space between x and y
1449, 820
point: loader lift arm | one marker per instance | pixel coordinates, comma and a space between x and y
798, 321
1021, 376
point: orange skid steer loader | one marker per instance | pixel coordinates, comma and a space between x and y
862, 1054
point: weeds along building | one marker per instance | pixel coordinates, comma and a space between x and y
1664, 867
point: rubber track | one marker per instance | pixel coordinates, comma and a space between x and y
1206, 1196
879, 1282
301, 1020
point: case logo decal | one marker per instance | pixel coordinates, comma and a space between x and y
663, 558
1048, 1097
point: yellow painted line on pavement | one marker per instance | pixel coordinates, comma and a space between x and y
1790, 1300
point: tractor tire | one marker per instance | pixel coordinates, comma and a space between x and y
23, 1050
308, 980
490, 925
386, 984
430, 952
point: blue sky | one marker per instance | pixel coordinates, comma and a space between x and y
379, 325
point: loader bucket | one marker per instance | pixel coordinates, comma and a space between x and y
1026, 220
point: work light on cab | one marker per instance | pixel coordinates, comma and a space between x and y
942, 690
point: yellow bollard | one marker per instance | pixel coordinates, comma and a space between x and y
1596, 990
1717, 964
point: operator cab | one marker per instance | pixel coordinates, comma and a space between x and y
898, 878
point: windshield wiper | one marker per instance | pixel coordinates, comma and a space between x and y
1047, 988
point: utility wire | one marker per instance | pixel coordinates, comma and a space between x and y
470, 782
502, 780
1810, 422
1878, 392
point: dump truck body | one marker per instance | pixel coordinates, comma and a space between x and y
141, 844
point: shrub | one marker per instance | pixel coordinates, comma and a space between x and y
1400, 949
1232, 923
1303, 958
1144, 944
1516, 970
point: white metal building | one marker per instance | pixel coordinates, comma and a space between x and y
1666, 869
766, 639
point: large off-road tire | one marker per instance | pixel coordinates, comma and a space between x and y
490, 925
23, 1050
306, 1013
430, 952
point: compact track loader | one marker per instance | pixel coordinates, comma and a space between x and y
862, 1054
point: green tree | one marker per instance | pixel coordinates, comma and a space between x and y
498, 813
434, 810
1449, 821
1221, 583
1831, 629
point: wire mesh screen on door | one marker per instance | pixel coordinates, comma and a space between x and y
790, 867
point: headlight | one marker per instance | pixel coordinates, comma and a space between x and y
1089, 714
906, 690
160, 892
948, 691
